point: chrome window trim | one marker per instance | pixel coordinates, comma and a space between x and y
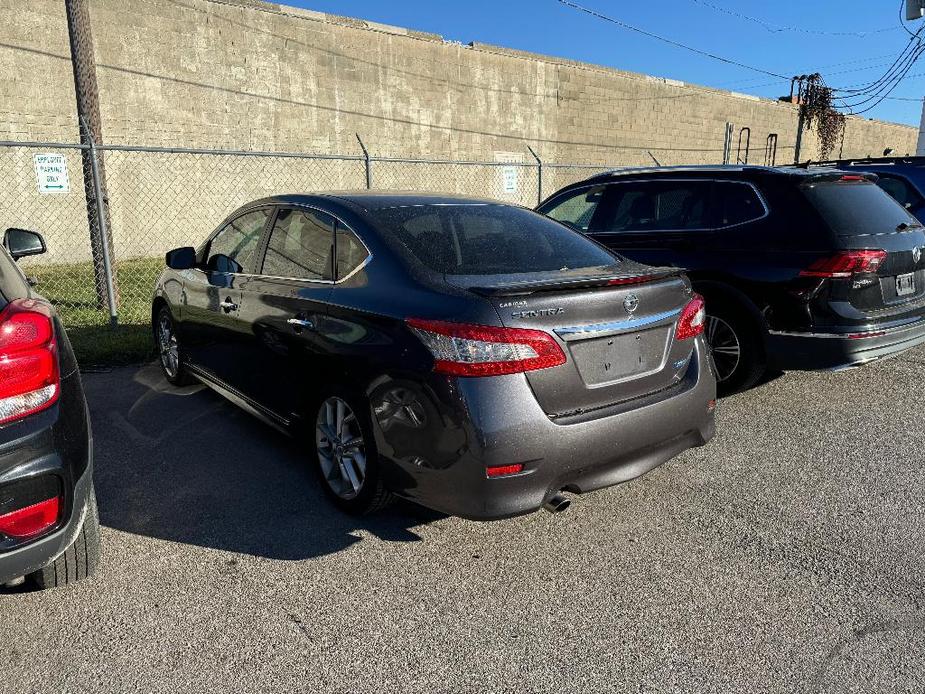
764, 204
281, 206
615, 327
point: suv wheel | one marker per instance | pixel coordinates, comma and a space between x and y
347, 460
168, 349
738, 354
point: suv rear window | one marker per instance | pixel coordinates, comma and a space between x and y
857, 209
486, 239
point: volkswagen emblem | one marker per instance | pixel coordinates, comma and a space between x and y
631, 303
916, 255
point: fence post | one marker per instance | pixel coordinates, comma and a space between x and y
101, 219
727, 142
88, 113
539, 176
369, 163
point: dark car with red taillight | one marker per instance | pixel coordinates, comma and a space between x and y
49, 528
802, 268
474, 357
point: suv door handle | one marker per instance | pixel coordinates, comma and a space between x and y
300, 323
228, 305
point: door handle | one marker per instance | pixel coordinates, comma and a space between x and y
300, 323
228, 305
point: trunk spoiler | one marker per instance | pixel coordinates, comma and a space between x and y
564, 284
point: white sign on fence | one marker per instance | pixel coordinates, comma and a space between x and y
509, 174
51, 173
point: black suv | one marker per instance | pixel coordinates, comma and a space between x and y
801, 268
49, 528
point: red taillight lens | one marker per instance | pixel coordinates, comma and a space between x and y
692, 319
846, 264
461, 349
30, 521
504, 470
29, 377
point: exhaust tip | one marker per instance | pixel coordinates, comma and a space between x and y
556, 503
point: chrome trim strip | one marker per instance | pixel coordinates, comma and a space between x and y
920, 323
613, 328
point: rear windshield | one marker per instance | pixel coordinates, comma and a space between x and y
485, 239
857, 209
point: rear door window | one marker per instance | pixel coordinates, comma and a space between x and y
301, 246
655, 206
486, 239
857, 209
351, 253
736, 203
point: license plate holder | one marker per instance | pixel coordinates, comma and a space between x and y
905, 284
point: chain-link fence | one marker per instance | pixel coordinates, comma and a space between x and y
158, 199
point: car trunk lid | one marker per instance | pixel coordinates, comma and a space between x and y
617, 330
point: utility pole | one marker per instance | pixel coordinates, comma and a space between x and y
91, 132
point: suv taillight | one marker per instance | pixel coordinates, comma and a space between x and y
29, 376
461, 349
846, 264
692, 319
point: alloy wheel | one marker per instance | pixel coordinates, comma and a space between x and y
727, 352
341, 450
167, 345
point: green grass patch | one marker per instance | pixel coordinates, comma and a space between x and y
71, 288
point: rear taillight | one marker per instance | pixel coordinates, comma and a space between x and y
31, 521
29, 377
846, 264
692, 319
461, 349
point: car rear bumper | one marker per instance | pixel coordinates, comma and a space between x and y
576, 454
55, 442
790, 351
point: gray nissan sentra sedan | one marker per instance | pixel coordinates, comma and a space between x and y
472, 356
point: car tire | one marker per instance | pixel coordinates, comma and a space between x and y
170, 355
78, 561
735, 342
349, 469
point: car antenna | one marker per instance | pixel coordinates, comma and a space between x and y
806, 164
657, 162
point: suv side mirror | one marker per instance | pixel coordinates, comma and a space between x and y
22, 242
181, 258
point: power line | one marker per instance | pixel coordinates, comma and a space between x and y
780, 29
671, 42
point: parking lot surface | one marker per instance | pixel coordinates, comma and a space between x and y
786, 556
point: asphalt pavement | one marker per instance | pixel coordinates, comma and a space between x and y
786, 556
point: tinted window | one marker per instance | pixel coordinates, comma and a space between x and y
486, 239
300, 245
577, 209
350, 251
853, 209
900, 191
655, 206
736, 203
232, 249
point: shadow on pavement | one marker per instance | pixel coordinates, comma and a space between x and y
185, 465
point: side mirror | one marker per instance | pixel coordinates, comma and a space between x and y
181, 258
22, 242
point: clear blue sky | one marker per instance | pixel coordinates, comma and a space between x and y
546, 26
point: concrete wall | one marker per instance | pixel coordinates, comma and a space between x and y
244, 74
